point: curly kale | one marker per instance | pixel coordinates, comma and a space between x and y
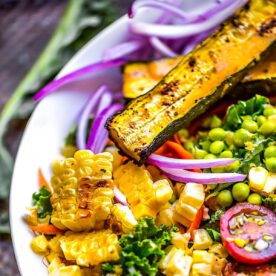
143, 249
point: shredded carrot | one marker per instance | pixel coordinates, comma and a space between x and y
196, 222
43, 182
47, 229
176, 139
179, 150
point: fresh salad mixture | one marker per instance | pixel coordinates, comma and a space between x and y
191, 194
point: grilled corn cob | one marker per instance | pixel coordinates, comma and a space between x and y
190, 200
124, 217
145, 197
83, 191
90, 248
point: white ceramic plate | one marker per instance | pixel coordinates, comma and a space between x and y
47, 128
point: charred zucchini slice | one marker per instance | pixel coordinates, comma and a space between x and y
140, 77
200, 79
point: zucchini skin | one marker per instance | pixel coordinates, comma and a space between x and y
199, 80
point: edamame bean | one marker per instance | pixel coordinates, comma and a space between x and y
255, 199
250, 125
267, 128
270, 152
217, 134
271, 164
224, 198
241, 136
216, 147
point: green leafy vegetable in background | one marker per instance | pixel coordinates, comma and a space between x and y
253, 107
143, 249
81, 21
215, 235
270, 202
42, 201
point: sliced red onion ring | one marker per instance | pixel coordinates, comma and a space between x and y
104, 102
55, 84
123, 49
161, 47
167, 7
202, 178
173, 163
85, 114
119, 197
98, 135
175, 32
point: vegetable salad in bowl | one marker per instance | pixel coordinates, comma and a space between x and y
169, 175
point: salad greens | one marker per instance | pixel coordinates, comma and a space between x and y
42, 201
143, 249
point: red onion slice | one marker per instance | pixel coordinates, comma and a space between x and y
185, 30
119, 197
55, 84
98, 135
173, 163
123, 49
161, 47
84, 117
202, 178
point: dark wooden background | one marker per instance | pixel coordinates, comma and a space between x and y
25, 28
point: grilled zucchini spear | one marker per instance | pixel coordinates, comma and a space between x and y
201, 78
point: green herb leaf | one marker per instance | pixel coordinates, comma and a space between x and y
253, 107
215, 235
270, 202
143, 249
42, 201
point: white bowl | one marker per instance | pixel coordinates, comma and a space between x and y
46, 130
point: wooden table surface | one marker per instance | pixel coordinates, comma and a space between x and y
26, 26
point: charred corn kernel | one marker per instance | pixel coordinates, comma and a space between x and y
257, 178
31, 217
202, 269
54, 245
145, 197
181, 241
202, 239
193, 194
176, 263
180, 219
90, 248
219, 250
165, 216
83, 191
202, 256
186, 210
124, 216
141, 210
39, 244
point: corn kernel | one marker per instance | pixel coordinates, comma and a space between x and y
39, 244
240, 242
202, 256
193, 194
202, 239
201, 269
186, 210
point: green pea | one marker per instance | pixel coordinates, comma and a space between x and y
255, 199
233, 167
241, 136
229, 138
183, 133
226, 154
224, 198
199, 153
217, 134
206, 123
189, 146
215, 122
271, 164
250, 125
219, 169
260, 120
267, 128
216, 147
269, 110
240, 191
270, 152
206, 145
210, 156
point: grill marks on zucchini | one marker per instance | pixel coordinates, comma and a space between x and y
200, 79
